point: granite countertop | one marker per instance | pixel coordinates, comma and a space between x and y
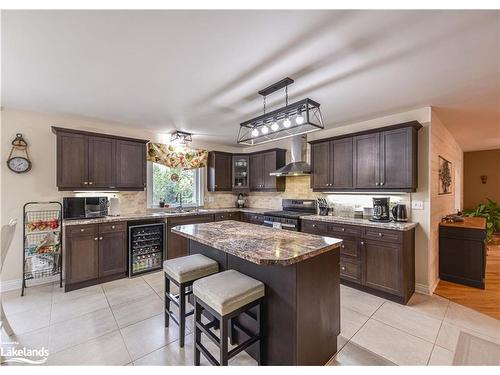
160, 215
257, 243
363, 222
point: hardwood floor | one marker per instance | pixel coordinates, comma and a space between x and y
486, 301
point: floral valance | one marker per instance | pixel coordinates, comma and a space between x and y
177, 157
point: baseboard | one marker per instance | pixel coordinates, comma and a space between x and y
15, 284
426, 289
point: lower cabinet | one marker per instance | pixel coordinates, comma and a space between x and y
378, 261
227, 216
249, 217
94, 253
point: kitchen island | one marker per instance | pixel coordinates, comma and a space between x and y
301, 276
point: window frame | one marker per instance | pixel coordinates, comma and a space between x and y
199, 191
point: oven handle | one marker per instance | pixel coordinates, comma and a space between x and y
271, 223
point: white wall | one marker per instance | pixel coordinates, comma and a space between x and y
39, 184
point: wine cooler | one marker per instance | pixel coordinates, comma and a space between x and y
146, 243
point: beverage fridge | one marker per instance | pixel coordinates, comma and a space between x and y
146, 243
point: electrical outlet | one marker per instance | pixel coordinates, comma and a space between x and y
417, 205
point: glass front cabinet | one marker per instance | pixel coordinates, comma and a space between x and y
240, 172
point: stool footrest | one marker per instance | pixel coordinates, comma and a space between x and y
243, 346
206, 330
207, 354
240, 328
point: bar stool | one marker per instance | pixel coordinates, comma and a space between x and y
226, 295
183, 272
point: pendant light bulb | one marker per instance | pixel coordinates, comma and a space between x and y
299, 120
255, 133
275, 126
264, 130
287, 122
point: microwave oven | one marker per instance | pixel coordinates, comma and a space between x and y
85, 207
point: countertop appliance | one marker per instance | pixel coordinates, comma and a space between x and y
114, 207
288, 218
381, 209
240, 202
323, 207
399, 212
146, 243
84, 207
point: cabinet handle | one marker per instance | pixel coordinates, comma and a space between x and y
382, 183
85, 182
362, 243
342, 246
90, 183
112, 227
380, 235
342, 268
343, 229
376, 183
100, 238
95, 238
314, 225
82, 230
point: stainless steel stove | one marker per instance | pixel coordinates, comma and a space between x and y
289, 217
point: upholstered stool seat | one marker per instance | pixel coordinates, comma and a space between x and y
183, 272
228, 291
190, 267
225, 296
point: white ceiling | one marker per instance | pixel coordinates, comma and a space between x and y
200, 71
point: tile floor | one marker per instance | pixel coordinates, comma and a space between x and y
121, 322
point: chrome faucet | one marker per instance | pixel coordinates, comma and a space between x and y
179, 199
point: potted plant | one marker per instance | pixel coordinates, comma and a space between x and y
491, 212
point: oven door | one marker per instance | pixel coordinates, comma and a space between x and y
268, 222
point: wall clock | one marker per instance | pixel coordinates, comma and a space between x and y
19, 164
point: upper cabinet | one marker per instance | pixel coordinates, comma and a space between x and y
240, 172
219, 171
89, 161
261, 166
382, 159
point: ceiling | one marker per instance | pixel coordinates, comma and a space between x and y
200, 71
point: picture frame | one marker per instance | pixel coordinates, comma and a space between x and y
445, 176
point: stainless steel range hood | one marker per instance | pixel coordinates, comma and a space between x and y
298, 166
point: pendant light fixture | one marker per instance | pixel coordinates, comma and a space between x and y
297, 118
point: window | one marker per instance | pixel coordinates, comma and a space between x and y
161, 185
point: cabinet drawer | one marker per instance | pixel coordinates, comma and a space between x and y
315, 227
227, 216
383, 234
113, 227
350, 269
347, 230
193, 219
252, 218
349, 247
83, 230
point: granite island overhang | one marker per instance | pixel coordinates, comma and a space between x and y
301, 273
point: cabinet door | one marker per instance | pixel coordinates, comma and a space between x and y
112, 253
341, 163
269, 166
256, 171
177, 246
320, 160
82, 258
130, 165
240, 174
102, 162
72, 161
383, 266
366, 161
396, 157
219, 172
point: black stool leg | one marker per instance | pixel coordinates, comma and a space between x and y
259, 343
223, 341
197, 332
167, 300
182, 314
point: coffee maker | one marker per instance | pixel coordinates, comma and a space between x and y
240, 202
381, 209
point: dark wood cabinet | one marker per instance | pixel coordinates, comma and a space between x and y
381, 159
252, 218
89, 161
94, 254
227, 216
101, 160
261, 165
177, 246
366, 161
332, 165
219, 171
378, 261
72, 161
130, 165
